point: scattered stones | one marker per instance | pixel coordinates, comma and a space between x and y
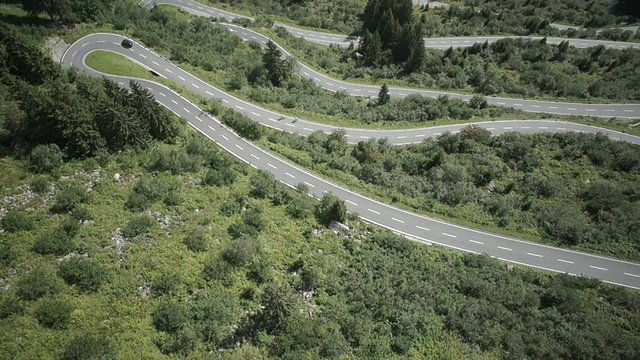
339, 227
116, 177
72, 256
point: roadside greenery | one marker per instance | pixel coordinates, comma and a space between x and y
157, 262
568, 189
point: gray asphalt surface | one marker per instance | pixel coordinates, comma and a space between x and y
416, 227
621, 111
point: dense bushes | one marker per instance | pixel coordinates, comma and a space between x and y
507, 180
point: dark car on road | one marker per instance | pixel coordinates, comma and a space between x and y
127, 44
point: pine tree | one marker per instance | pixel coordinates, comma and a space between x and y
157, 121
371, 48
383, 95
276, 67
416, 50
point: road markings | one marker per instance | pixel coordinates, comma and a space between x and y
402, 137
173, 101
290, 175
499, 103
609, 110
169, 71
155, 63
199, 119
185, 109
532, 254
508, 127
181, 78
525, 127
363, 137
629, 111
542, 127
373, 211
144, 57
449, 235
74, 54
239, 147
572, 109
398, 220
271, 166
255, 157
553, 107
597, 268
504, 248
308, 184
85, 44
288, 124
565, 261
225, 101
307, 129
491, 128
162, 94
420, 135
196, 86
535, 106
476, 242
255, 113
561, 129
350, 202
239, 107
634, 275
102, 41
422, 228
209, 92
590, 109
517, 104
210, 127
226, 138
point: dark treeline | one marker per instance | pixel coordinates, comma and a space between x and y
512, 181
83, 116
508, 66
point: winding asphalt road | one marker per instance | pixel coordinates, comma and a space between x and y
621, 111
414, 226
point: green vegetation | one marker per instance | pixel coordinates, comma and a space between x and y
116, 64
165, 264
572, 190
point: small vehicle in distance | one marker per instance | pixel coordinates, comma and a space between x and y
127, 44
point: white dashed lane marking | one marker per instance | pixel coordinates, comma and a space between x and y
290, 175
565, 261
162, 94
271, 166
422, 228
476, 242
169, 71
532, 254
308, 184
239, 107
597, 268
350, 202
255, 157
449, 235
504, 248
181, 78
226, 138
373, 211
239, 147
633, 275
398, 220
187, 110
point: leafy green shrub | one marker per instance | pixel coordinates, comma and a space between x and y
177, 161
87, 274
39, 185
46, 158
15, 220
170, 317
244, 126
68, 198
138, 224
150, 189
53, 313
331, 208
240, 251
88, 347
38, 283
196, 240
165, 284
81, 213
7, 254
223, 176
57, 242
10, 305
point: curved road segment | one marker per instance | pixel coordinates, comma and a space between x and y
622, 111
417, 227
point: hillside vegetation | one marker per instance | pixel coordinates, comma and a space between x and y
568, 189
125, 234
